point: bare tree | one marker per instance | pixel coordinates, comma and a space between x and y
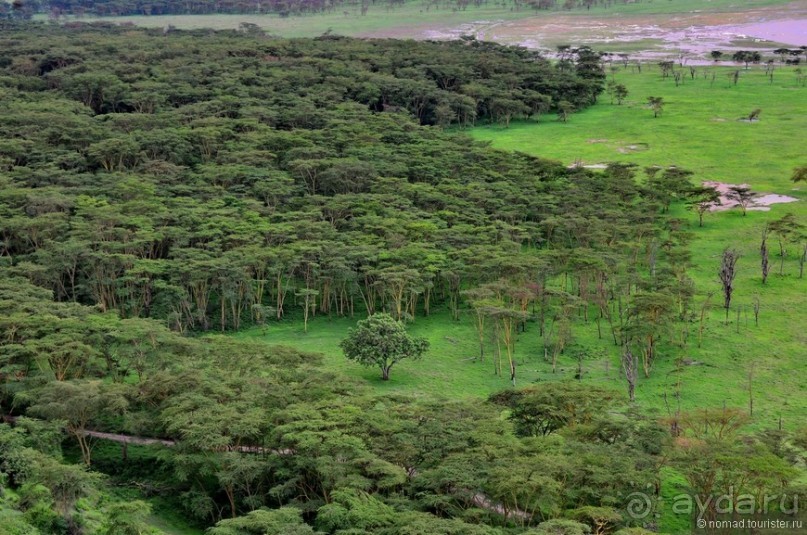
728, 270
763, 251
803, 258
630, 365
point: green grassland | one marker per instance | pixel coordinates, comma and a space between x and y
412, 17
699, 130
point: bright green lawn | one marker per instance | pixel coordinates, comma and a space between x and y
689, 135
412, 18
699, 128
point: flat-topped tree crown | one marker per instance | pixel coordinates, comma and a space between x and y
381, 340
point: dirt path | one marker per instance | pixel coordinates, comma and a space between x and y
130, 439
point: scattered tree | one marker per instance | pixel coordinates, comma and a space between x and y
742, 195
380, 340
565, 108
727, 273
763, 252
656, 104
702, 200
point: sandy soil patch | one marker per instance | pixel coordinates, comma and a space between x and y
632, 148
588, 166
761, 202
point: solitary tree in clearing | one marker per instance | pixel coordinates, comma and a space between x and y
621, 93
380, 340
565, 108
656, 104
702, 200
742, 195
799, 174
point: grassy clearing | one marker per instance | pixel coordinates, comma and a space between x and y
689, 134
412, 18
700, 130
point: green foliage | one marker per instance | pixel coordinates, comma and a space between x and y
354, 510
78, 405
560, 526
284, 521
14, 524
599, 519
380, 340
128, 518
543, 409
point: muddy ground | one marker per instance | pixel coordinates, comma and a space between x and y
689, 36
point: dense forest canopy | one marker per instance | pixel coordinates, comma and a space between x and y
158, 186
204, 185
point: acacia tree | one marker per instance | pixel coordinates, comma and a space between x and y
620, 93
380, 340
309, 303
565, 108
799, 174
478, 298
649, 318
702, 200
78, 405
505, 319
786, 229
742, 195
656, 104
